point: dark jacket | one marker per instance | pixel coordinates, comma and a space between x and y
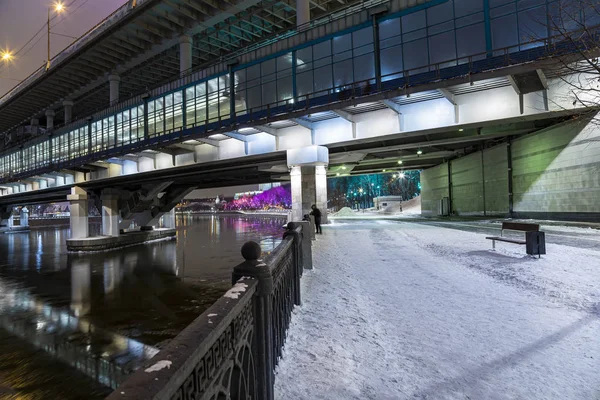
316, 212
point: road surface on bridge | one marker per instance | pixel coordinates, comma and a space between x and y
400, 310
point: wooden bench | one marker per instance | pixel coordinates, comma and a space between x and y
522, 227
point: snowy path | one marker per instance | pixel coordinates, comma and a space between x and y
406, 311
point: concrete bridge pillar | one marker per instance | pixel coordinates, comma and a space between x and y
308, 172
302, 12
114, 81
6, 217
185, 53
24, 220
68, 106
49, 119
110, 212
79, 213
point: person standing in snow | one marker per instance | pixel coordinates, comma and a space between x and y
317, 214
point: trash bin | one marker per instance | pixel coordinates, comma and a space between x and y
535, 243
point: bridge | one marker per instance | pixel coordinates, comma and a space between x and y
475, 95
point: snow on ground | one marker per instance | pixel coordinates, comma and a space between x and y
398, 310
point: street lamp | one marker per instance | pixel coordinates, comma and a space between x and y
58, 8
7, 56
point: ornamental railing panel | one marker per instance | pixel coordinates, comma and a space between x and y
231, 350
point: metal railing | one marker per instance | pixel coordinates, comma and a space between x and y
231, 350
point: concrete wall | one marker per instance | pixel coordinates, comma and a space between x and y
434, 184
467, 184
558, 170
495, 165
555, 174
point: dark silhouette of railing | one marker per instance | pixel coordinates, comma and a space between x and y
231, 350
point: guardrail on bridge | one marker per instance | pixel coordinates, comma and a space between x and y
231, 350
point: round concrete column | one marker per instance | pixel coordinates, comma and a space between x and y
185, 53
24, 220
114, 81
302, 12
68, 105
110, 212
79, 213
49, 119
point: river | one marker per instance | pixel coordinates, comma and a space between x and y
74, 325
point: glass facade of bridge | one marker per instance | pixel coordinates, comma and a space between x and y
396, 51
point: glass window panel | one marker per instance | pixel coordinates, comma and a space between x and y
442, 47
440, 13
269, 93
254, 97
284, 62
342, 43
322, 62
394, 41
323, 78
304, 55
362, 37
364, 67
532, 27
504, 32
467, 7
504, 10
415, 54
389, 28
391, 60
343, 73
525, 4
304, 83
496, 3
409, 37
363, 50
441, 28
469, 20
342, 56
268, 67
470, 40
284, 88
322, 49
412, 22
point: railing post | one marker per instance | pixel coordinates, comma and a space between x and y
297, 261
262, 308
305, 245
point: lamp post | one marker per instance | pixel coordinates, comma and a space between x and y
58, 7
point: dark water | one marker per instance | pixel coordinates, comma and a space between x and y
74, 325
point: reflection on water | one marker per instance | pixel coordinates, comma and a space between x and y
103, 314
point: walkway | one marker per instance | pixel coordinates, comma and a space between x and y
399, 310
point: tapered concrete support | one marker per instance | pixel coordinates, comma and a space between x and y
308, 173
309, 186
49, 119
68, 106
79, 213
24, 220
185, 53
114, 81
110, 212
302, 12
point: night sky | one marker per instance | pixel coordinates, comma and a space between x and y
21, 19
